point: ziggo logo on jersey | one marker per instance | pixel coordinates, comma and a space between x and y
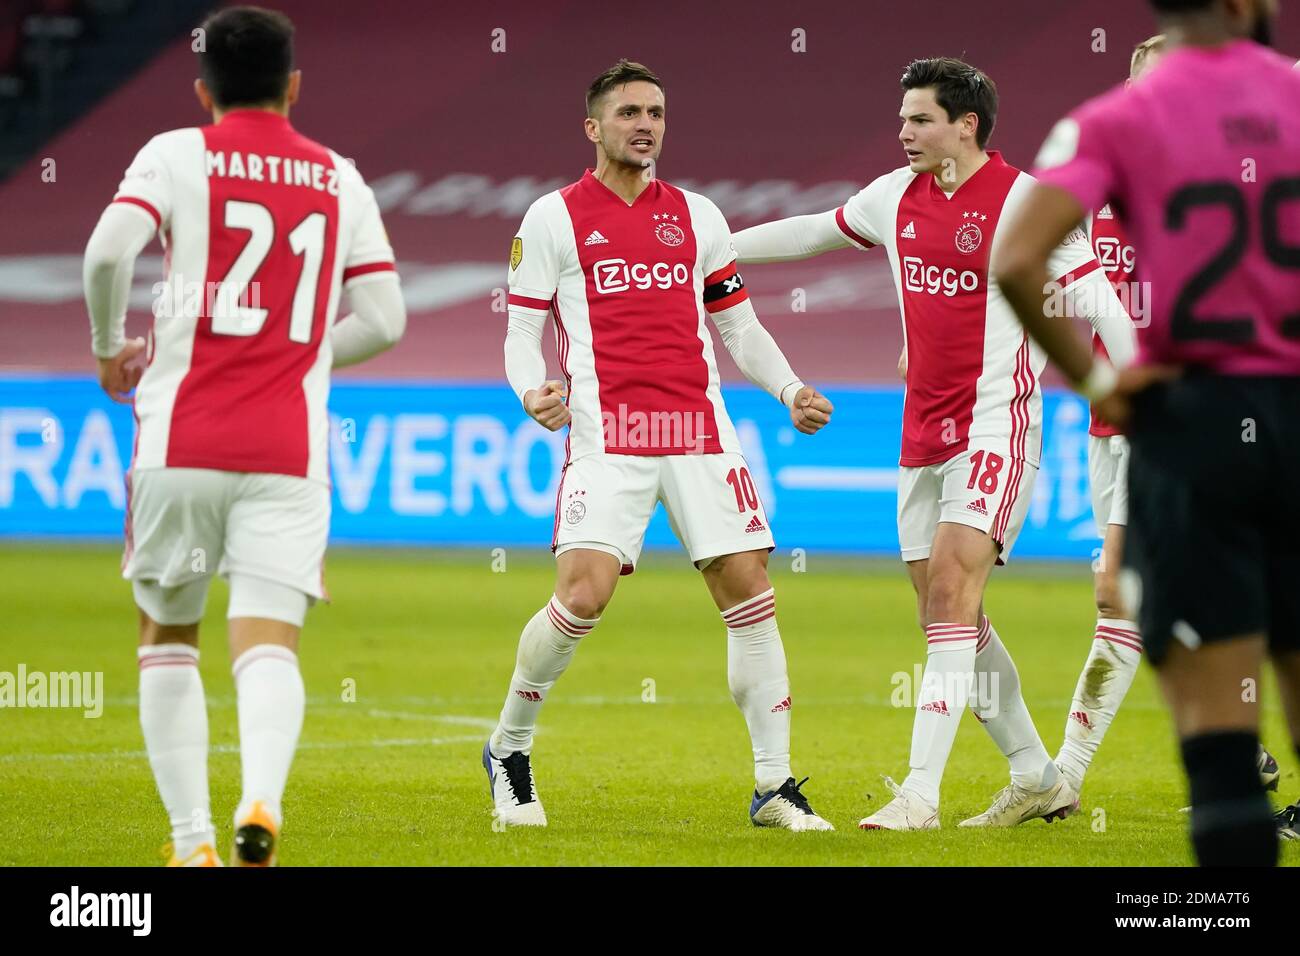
918, 277
617, 275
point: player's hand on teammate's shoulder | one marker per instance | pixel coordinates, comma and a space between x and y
810, 410
118, 375
1117, 407
546, 405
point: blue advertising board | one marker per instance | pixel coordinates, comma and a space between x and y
460, 464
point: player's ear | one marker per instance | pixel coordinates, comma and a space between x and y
204, 96
294, 88
592, 128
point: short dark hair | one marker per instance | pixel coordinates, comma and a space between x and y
247, 56
959, 89
620, 74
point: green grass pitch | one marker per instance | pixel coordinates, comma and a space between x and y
405, 673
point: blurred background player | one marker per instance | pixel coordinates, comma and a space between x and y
1212, 202
629, 266
972, 417
1117, 643
262, 227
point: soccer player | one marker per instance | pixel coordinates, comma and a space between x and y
629, 267
1117, 643
262, 229
972, 417
1211, 198
1116, 649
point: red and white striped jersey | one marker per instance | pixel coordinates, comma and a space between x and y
261, 227
1118, 257
972, 373
629, 287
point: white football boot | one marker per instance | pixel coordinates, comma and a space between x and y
906, 811
1014, 805
514, 793
787, 808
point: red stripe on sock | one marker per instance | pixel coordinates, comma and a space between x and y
758, 617
1119, 640
763, 608
161, 661
561, 624
745, 607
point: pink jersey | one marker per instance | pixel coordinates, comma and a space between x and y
1118, 258
1201, 159
972, 373
262, 228
629, 287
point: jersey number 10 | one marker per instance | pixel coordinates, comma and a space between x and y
307, 239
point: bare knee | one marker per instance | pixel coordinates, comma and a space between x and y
583, 597
151, 632
1106, 591
949, 597
735, 578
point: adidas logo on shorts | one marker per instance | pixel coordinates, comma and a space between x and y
979, 506
937, 707
755, 525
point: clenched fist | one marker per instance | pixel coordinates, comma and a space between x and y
546, 405
120, 374
811, 410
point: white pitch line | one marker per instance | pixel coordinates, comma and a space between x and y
486, 723
234, 748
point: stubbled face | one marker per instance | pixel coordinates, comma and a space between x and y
630, 128
928, 137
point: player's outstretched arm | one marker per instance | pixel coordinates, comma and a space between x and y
1036, 229
376, 324
761, 360
1042, 222
799, 237
1094, 298
121, 233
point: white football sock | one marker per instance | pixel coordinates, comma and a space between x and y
271, 699
756, 674
546, 647
174, 718
999, 706
940, 700
1107, 675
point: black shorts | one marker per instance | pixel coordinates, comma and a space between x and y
1214, 511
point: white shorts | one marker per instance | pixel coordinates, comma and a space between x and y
982, 487
185, 524
1108, 480
605, 503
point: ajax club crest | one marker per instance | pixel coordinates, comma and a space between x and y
667, 231
969, 234
575, 510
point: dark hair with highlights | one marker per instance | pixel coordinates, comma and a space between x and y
247, 56
620, 74
959, 88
